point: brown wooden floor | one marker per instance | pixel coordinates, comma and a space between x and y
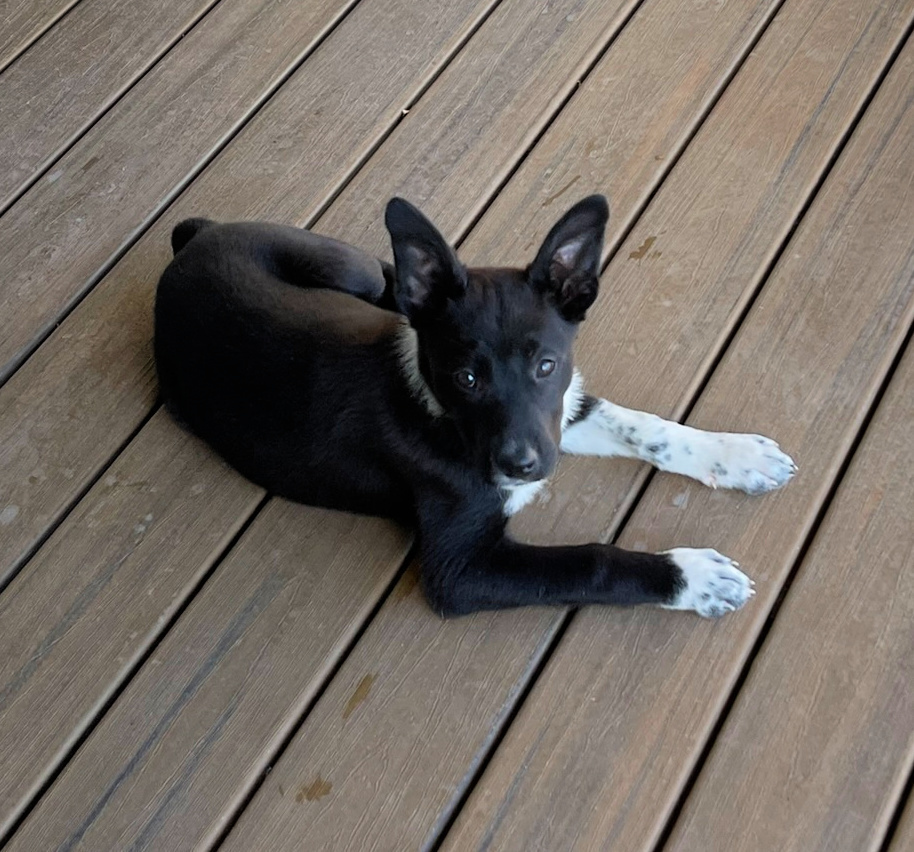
186, 663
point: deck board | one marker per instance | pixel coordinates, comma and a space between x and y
496, 38
21, 24
820, 742
99, 583
176, 522
181, 652
458, 740
298, 600
526, 58
603, 746
90, 386
59, 236
59, 87
460, 141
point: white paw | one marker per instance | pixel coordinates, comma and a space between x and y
750, 463
714, 585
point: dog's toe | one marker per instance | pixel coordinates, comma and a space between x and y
751, 463
713, 585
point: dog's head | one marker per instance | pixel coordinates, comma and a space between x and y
495, 345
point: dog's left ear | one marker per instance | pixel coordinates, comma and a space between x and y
428, 271
568, 264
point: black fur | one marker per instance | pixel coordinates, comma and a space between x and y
284, 350
585, 406
185, 231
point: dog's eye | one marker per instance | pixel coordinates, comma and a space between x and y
466, 379
544, 368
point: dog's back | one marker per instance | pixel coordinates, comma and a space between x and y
264, 336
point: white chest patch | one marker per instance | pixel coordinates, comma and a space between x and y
408, 351
518, 496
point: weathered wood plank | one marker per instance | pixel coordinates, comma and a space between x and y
60, 86
178, 751
99, 593
820, 742
102, 192
513, 21
22, 23
84, 392
298, 599
35, 753
87, 388
401, 799
602, 748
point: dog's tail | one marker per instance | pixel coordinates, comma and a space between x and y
185, 231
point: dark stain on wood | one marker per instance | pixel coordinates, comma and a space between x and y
562, 191
360, 694
405, 587
317, 789
643, 249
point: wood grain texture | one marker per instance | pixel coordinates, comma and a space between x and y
118, 765
198, 712
388, 789
381, 801
209, 706
817, 749
489, 105
83, 393
460, 139
87, 388
602, 747
64, 230
74, 73
99, 593
21, 23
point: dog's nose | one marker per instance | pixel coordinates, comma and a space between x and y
522, 463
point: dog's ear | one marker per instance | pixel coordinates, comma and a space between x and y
568, 264
428, 271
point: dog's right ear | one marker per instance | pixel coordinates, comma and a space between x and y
568, 263
428, 271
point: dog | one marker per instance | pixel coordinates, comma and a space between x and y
437, 395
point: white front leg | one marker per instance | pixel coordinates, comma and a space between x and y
750, 463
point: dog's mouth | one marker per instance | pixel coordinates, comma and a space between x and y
508, 483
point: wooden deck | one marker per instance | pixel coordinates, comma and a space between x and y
187, 663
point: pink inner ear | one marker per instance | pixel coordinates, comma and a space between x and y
567, 253
423, 262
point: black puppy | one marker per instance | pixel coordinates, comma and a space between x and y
431, 393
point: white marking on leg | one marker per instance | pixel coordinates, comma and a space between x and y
714, 585
610, 430
750, 463
571, 401
407, 348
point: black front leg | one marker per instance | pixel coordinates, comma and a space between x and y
469, 563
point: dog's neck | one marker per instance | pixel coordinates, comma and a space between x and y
407, 346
